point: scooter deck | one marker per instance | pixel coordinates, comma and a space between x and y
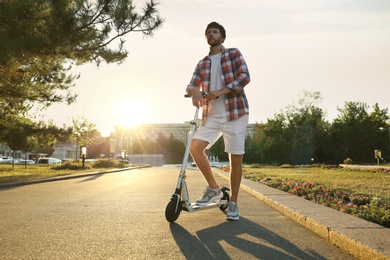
195, 207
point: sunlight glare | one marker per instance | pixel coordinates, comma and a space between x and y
130, 113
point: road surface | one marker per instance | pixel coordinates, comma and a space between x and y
121, 216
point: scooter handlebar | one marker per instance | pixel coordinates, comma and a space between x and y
203, 93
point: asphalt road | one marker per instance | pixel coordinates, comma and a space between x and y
121, 216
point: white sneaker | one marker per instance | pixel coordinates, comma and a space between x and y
233, 211
209, 196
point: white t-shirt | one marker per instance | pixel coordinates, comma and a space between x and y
216, 107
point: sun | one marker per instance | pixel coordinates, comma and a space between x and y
130, 113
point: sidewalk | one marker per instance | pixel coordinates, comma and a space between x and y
360, 238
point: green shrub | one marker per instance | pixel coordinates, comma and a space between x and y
104, 163
287, 166
78, 165
110, 163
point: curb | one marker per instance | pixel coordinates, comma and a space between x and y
67, 177
360, 238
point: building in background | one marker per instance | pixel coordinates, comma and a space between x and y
124, 138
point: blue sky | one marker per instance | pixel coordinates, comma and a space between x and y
337, 47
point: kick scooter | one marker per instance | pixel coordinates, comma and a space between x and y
180, 199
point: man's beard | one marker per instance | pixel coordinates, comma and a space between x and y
215, 43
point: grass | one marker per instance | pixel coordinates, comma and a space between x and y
364, 193
372, 183
33, 172
17, 173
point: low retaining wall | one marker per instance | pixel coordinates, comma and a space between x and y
152, 159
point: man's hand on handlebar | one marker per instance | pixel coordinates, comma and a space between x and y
212, 95
197, 97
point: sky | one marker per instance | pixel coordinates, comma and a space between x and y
340, 48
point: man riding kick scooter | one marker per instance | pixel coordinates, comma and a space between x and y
222, 74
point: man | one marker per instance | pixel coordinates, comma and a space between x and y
222, 74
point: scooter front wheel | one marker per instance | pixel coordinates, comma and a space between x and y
172, 211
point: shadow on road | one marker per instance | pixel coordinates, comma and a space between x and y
93, 177
244, 236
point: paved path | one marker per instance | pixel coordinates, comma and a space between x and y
121, 216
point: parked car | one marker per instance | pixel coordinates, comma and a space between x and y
90, 160
49, 161
5, 159
21, 161
212, 164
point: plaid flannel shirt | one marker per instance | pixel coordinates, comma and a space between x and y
235, 75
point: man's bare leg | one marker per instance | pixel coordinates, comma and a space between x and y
235, 175
198, 153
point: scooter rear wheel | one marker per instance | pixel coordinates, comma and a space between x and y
171, 213
226, 197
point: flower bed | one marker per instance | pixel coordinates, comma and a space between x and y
363, 206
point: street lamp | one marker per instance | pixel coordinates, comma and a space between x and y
83, 154
123, 153
383, 128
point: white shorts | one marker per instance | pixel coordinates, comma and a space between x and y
233, 133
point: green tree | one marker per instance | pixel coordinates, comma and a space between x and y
173, 150
352, 131
253, 146
306, 123
380, 120
41, 41
18, 140
218, 149
277, 144
357, 132
145, 146
294, 136
27, 136
97, 149
84, 133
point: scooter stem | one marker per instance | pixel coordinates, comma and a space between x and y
189, 141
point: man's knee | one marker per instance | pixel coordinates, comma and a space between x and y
198, 146
236, 157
